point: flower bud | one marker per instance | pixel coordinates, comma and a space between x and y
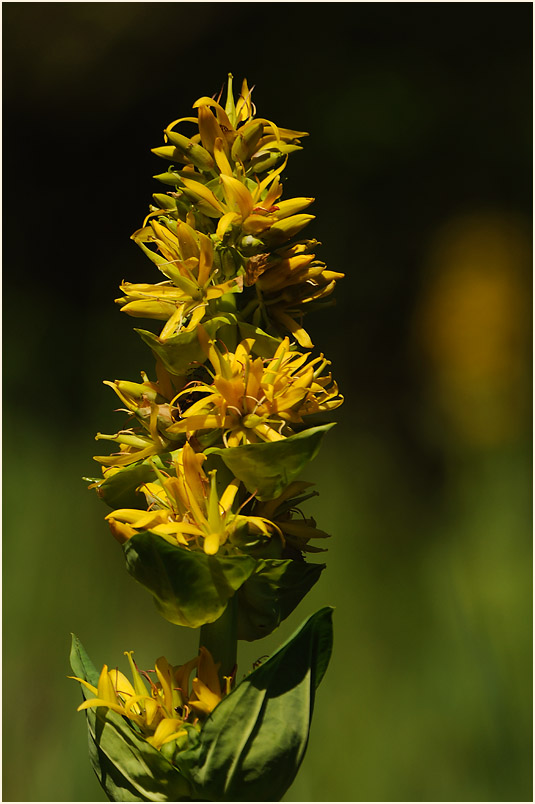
247, 141
198, 155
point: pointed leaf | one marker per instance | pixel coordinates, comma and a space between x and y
264, 345
119, 489
252, 745
180, 351
272, 593
269, 467
189, 588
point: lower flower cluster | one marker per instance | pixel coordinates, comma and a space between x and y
162, 709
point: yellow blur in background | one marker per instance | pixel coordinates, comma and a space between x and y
473, 327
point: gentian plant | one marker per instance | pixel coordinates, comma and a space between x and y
203, 480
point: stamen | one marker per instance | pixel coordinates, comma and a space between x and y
255, 492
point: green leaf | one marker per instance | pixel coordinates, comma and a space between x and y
189, 588
252, 745
119, 489
126, 765
178, 352
81, 664
269, 467
272, 593
265, 345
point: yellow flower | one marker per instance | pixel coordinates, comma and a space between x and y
148, 402
161, 709
187, 511
229, 135
186, 257
288, 281
252, 399
215, 232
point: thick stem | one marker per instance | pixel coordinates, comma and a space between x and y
221, 639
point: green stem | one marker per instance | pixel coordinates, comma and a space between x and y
221, 638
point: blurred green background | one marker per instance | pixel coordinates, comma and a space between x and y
420, 161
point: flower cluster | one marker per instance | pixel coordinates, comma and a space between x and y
223, 228
203, 477
164, 708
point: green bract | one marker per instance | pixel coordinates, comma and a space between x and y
266, 469
193, 589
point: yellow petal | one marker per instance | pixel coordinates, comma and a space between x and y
206, 700
167, 730
221, 157
228, 496
121, 684
121, 531
203, 192
211, 544
164, 672
237, 195
89, 686
105, 689
225, 222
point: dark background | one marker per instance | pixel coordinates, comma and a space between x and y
420, 161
